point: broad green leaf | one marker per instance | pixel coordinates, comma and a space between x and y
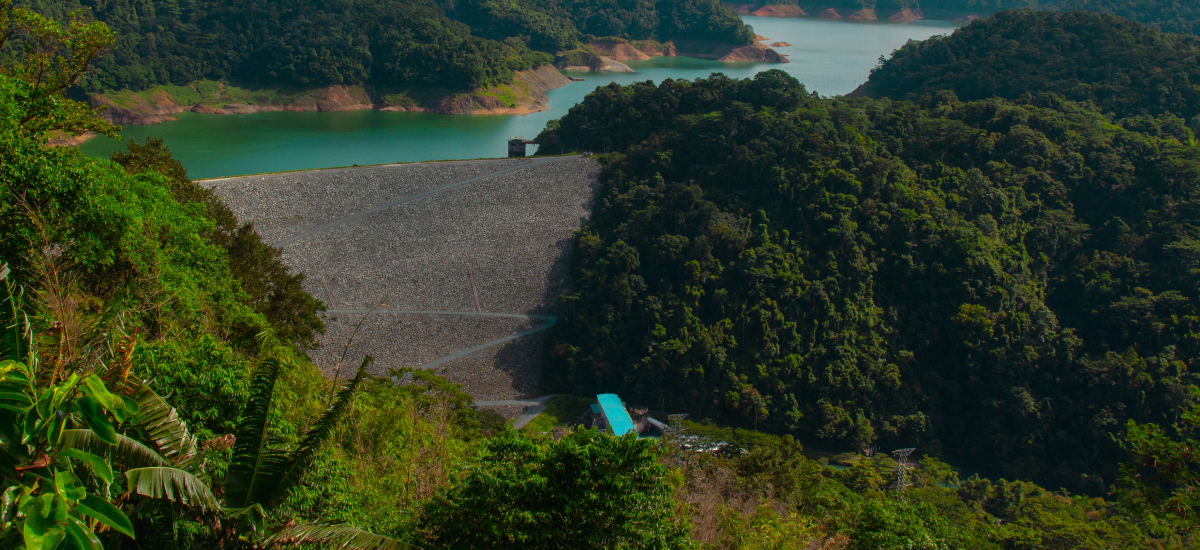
10, 427
8, 504
64, 390
48, 539
45, 403
45, 516
30, 428
93, 415
55, 424
81, 535
21, 397
104, 512
97, 465
130, 406
19, 411
93, 386
13, 371
68, 485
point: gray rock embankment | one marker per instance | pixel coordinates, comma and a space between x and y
498, 244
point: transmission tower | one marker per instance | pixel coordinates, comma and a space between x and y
672, 438
901, 469
675, 429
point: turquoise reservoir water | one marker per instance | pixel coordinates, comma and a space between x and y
829, 56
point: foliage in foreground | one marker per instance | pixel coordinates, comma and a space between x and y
585, 490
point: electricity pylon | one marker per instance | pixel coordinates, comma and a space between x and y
901, 469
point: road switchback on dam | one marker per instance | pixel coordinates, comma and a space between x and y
453, 266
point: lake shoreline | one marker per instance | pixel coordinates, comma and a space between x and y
526, 95
827, 56
824, 11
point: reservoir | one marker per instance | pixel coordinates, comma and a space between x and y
829, 56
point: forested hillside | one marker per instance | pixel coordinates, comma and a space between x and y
1181, 16
308, 43
555, 26
1125, 69
1008, 282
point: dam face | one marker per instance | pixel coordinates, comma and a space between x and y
453, 266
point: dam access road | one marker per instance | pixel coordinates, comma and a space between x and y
450, 266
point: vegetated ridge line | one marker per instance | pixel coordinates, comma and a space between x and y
397, 202
550, 320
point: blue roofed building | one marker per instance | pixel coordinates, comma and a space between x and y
609, 414
613, 416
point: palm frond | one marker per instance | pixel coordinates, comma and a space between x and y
335, 536
164, 426
171, 484
127, 453
249, 450
316, 436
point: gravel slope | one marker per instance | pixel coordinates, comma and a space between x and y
504, 239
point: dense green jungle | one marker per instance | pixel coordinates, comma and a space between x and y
989, 278
1005, 275
385, 43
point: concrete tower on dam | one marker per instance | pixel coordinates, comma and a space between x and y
516, 146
